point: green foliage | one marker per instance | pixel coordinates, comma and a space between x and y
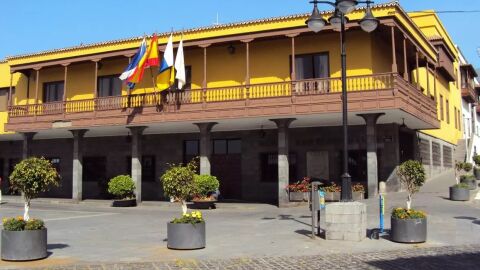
13, 224
192, 218
34, 224
467, 178
178, 181
461, 185
402, 213
467, 166
412, 175
19, 224
458, 166
33, 176
205, 185
122, 187
476, 159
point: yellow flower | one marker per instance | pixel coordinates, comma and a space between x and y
19, 218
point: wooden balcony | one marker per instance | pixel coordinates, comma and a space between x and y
469, 93
378, 92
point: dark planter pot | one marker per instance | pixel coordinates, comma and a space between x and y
357, 196
409, 230
124, 203
332, 196
24, 245
204, 204
459, 194
472, 183
476, 172
298, 196
186, 236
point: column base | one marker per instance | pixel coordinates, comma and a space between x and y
346, 221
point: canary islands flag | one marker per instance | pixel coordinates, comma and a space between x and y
166, 76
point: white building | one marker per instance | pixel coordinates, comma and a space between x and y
470, 145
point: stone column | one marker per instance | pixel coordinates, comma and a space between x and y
372, 162
136, 160
283, 164
27, 144
205, 146
77, 168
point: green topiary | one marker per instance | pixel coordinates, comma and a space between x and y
122, 187
412, 176
467, 177
178, 183
205, 185
31, 177
467, 166
461, 185
476, 159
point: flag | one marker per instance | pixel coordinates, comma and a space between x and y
133, 65
166, 76
152, 54
180, 66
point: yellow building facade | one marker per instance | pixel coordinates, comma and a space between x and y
240, 77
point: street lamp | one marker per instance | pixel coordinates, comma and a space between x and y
368, 24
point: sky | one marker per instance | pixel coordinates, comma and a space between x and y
32, 25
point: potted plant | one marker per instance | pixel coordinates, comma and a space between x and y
122, 188
299, 191
358, 192
332, 192
469, 180
25, 238
408, 225
205, 188
187, 232
467, 167
476, 169
460, 192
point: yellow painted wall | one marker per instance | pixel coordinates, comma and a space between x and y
269, 60
431, 26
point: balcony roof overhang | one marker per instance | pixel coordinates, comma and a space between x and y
389, 14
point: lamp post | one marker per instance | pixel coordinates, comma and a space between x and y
368, 24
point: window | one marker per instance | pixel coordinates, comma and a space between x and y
455, 115
52, 91
311, 66
109, 86
148, 167
269, 167
448, 111
441, 108
191, 149
3, 99
229, 146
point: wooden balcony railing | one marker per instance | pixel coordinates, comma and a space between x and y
322, 86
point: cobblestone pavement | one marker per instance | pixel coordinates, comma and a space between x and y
454, 257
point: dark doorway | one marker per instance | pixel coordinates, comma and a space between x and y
3, 177
11, 165
227, 167
94, 178
406, 146
357, 165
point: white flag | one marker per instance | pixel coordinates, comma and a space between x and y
180, 66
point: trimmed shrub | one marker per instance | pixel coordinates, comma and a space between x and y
467, 166
122, 187
412, 176
31, 177
476, 159
205, 185
178, 182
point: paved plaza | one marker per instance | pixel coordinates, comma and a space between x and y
92, 235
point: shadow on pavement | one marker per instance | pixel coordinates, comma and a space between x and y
57, 246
